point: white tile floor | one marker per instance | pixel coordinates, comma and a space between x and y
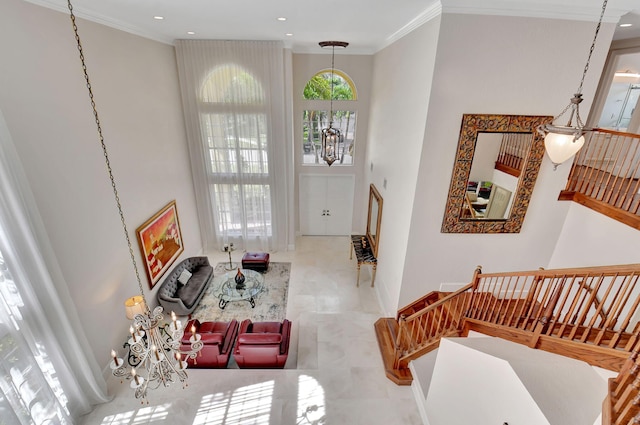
338, 377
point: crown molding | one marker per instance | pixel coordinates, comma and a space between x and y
536, 9
79, 12
428, 14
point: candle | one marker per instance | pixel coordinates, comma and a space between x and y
135, 377
173, 318
115, 357
179, 359
193, 331
155, 351
133, 334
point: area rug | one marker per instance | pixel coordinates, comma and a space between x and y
270, 304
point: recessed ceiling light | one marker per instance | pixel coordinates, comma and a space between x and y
158, 18
625, 25
190, 32
289, 34
282, 18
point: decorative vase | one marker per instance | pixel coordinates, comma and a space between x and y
239, 280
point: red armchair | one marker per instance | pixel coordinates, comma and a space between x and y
218, 339
262, 344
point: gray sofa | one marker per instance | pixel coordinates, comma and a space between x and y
183, 299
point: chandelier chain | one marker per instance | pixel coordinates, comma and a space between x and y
593, 45
333, 48
104, 150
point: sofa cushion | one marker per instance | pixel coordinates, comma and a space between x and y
184, 277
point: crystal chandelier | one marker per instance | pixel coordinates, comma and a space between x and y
562, 142
331, 137
155, 347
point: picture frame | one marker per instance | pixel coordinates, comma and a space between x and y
160, 241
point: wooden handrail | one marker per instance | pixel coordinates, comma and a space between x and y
589, 313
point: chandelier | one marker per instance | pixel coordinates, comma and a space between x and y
155, 349
332, 137
562, 142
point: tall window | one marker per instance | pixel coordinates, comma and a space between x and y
317, 116
30, 392
238, 161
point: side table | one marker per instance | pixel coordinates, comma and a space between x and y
364, 255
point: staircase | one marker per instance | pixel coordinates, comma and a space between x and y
589, 314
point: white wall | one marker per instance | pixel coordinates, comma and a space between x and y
493, 64
401, 89
47, 110
493, 381
589, 238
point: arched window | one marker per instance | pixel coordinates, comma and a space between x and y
234, 123
317, 115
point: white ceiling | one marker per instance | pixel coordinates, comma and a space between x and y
368, 25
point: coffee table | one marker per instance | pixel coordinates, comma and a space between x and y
225, 287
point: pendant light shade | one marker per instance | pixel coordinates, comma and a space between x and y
560, 147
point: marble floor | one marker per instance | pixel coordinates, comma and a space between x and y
334, 375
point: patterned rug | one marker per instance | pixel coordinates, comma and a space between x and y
271, 304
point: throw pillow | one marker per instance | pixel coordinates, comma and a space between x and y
184, 277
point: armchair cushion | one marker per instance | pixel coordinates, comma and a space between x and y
262, 344
218, 339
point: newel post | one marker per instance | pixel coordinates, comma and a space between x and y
402, 324
475, 281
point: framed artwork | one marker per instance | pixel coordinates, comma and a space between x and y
160, 242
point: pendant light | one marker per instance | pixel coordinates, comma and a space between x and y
562, 142
332, 137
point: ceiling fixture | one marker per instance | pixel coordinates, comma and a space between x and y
625, 25
282, 18
562, 142
627, 74
158, 18
332, 137
154, 346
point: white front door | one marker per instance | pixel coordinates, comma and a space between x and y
326, 204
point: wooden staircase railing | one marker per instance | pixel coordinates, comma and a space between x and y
605, 176
590, 314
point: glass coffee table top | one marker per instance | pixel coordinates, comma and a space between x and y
226, 289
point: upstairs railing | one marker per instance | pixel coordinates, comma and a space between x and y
605, 175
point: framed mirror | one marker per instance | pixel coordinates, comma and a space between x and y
374, 218
496, 167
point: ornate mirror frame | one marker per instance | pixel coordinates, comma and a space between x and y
472, 125
374, 218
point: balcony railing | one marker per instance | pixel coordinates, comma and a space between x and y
605, 175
